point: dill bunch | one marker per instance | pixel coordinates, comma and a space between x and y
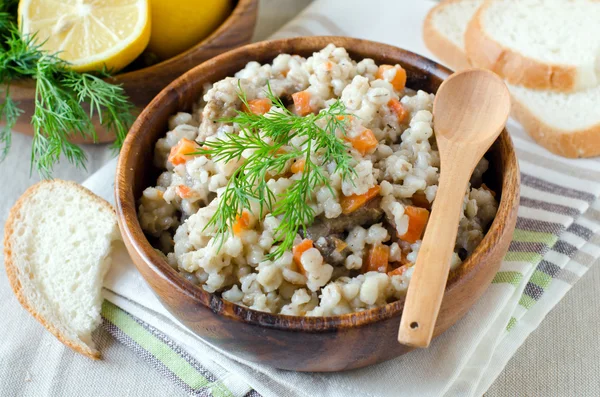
269, 137
65, 101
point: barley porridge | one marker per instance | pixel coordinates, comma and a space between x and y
303, 186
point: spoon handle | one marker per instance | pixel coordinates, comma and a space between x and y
428, 282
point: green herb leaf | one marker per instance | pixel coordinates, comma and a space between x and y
10, 113
269, 136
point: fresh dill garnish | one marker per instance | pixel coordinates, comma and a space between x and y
269, 139
65, 101
10, 112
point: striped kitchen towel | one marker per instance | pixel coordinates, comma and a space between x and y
554, 244
557, 239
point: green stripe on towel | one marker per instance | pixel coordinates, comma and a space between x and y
527, 301
527, 236
156, 347
531, 257
510, 277
540, 279
511, 323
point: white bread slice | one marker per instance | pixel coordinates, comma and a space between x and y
565, 124
56, 250
444, 30
539, 44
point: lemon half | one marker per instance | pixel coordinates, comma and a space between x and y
89, 34
179, 24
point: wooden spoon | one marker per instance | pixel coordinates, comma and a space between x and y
469, 112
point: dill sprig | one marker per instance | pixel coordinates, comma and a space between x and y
10, 112
269, 137
65, 101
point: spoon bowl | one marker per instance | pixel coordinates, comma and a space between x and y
469, 112
470, 109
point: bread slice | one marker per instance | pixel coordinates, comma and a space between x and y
444, 31
567, 124
56, 249
540, 44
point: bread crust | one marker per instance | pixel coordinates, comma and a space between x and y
572, 144
518, 69
439, 45
487, 53
13, 272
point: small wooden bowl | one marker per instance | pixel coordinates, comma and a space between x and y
291, 342
143, 84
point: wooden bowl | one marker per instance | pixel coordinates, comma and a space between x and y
143, 84
292, 342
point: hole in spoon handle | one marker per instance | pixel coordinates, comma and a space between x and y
415, 332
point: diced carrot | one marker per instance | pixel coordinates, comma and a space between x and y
485, 187
352, 203
376, 259
328, 66
397, 108
258, 106
297, 252
241, 223
398, 271
365, 142
182, 151
302, 103
399, 80
419, 199
347, 117
381, 70
183, 191
298, 166
417, 220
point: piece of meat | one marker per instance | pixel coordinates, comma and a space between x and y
367, 215
390, 226
333, 249
287, 100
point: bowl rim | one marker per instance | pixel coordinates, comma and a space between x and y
132, 232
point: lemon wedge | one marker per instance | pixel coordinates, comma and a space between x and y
89, 34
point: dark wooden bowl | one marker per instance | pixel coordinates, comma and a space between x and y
143, 84
290, 342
